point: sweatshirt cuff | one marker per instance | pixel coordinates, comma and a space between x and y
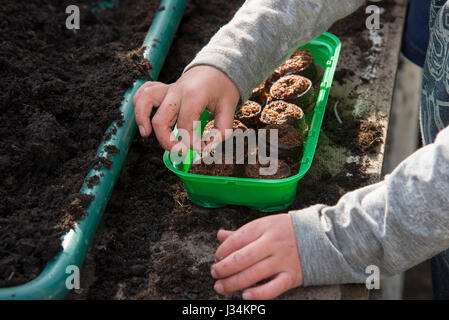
227, 66
322, 263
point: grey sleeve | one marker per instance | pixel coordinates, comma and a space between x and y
394, 224
263, 33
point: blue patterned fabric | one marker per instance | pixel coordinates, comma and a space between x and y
435, 87
435, 113
416, 32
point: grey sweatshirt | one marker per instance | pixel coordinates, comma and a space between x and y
393, 224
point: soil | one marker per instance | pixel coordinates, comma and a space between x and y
214, 169
153, 243
59, 92
347, 28
365, 135
151, 225
282, 171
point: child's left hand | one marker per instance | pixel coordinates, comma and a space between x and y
262, 249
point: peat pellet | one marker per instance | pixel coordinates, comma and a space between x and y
235, 125
281, 112
290, 141
252, 171
289, 87
294, 167
294, 89
288, 135
300, 63
249, 114
261, 94
239, 153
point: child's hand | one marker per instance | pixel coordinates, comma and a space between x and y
184, 101
262, 249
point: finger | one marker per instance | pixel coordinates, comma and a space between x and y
142, 110
222, 235
143, 89
149, 98
224, 118
240, 238
165, 118
248, 277
210, 141
241, 259
192, 106
281, 283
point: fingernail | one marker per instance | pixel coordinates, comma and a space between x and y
247, 295
219, 288
214, 274
142, 131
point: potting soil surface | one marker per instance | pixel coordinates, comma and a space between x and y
60, 90
153, 242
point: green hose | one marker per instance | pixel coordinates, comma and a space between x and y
51, 283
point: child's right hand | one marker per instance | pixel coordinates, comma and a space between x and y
262, 249
183, 102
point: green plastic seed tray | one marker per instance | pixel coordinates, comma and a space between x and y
264, 195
